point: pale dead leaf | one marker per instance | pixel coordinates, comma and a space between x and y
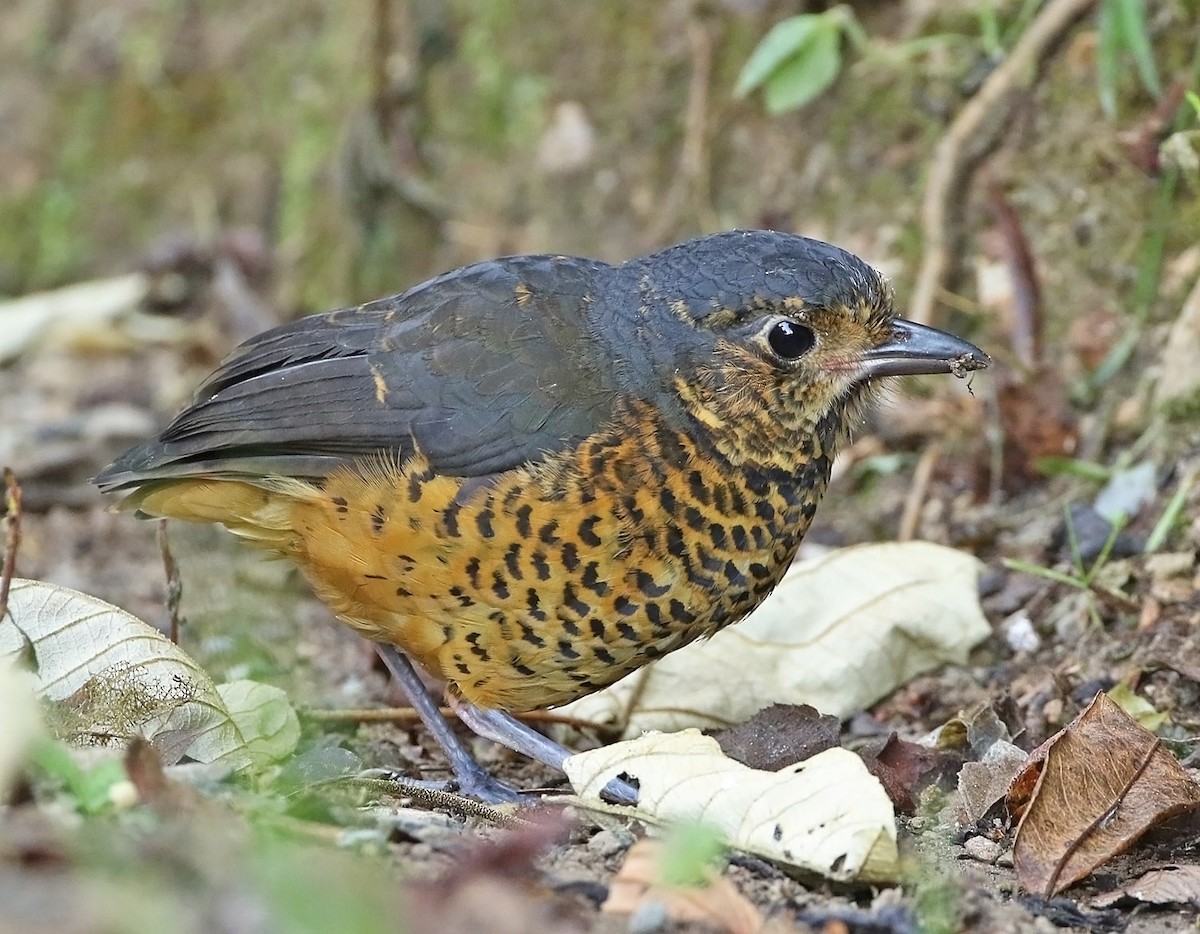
112, 677
102, 312
826, 815
839, 632
1178, 387
569, 142
717, 903
1170, 885
1104, 780
22, 723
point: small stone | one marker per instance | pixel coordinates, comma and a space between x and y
982, 849
609, 843
1005, 859
1167, 564
648, 917
123, 795
1019, 633
1172, 590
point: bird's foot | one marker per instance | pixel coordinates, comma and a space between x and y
480, 784
502, 727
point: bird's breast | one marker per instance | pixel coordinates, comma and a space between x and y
542, 584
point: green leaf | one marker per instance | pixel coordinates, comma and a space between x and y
811, 71
989, 30
1054, 466
1137, 706
690, 852
89, 787
1122, 27
265, 721
784, 40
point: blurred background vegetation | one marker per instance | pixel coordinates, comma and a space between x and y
353, 149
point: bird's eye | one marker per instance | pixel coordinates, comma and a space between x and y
790, 339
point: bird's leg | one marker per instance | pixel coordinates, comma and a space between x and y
503, 728
473, 779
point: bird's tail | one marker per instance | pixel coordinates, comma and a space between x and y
262, 511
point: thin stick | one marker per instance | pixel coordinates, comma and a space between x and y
174, 583
911, 517
975, 132
12, 536
691, 185
398, 787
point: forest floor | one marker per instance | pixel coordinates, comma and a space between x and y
141, 159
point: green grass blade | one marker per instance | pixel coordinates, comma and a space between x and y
1134, 36
1170, 515
1109, 44
1024, 567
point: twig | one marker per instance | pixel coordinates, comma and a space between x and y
975, 133
691, 181
435, 797
1022, 270
174, 583
12, 536
916, 493
382, 97
1141, 144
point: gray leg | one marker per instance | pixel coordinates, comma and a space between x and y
505, 729
472, 778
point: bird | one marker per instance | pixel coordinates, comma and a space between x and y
536, 474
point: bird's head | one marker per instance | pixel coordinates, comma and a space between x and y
768, 337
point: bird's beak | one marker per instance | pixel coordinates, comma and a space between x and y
914, 348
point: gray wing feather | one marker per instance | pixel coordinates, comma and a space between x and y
456, 367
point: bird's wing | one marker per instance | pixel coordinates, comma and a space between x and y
482, 369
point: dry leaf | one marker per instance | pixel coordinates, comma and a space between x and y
1037, 422
1178, 390
826, 815
1171, 885
717, 904
839, 632
902, 767
984, 783
780, 735
1101, 783
85, 313
112, 677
